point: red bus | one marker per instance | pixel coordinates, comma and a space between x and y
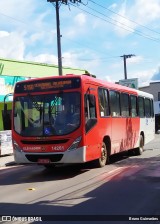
78, 118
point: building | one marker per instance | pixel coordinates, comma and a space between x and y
154, 88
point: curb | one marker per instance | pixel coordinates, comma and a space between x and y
10, 164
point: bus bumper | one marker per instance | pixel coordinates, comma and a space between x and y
70, 156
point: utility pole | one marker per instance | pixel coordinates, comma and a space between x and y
57, 6
125, 67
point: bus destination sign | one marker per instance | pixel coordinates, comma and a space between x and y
47, 85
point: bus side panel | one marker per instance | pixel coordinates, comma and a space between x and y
147, 126
95, 136
93, 147
125, 134
132, 132
117, 137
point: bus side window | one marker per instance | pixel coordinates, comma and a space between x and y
124, 105
147, 107
114, 103
141, 110
133, 101
90, 111
103, 102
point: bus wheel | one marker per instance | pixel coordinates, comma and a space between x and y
139, 150
101, 162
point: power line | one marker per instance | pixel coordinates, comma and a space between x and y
95, 59
125, 17
135, 30
17, 20
120, 22
129, 30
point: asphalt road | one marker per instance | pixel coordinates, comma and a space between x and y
128, 187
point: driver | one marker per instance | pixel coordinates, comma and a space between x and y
67, 120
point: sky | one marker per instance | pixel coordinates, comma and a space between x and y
94, 36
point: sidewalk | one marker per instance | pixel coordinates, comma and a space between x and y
7, 160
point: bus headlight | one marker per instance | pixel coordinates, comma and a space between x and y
75, 144
16, 146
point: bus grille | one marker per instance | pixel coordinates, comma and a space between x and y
46, 142
53, 158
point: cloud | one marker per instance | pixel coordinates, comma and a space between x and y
24, 28
144, 76
135, 60
15, 11
147, 11
4, 34
70, 59
76, 28
12, 45
141, 11
110, 79
42, 58
80, 19
28, 32
79, 59
43, 37
156, 75
113, 6
123, 26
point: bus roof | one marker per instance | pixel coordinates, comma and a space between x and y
87, 78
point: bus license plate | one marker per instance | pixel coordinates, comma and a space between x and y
43, 161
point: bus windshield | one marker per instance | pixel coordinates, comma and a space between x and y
47, 114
